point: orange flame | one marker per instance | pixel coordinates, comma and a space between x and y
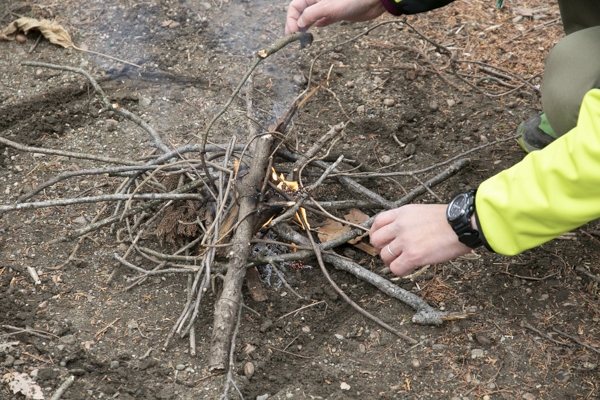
289, 186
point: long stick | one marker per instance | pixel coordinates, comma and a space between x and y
227, 306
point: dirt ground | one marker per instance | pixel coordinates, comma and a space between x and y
408, 108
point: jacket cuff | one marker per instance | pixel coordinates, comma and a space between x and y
389, 6
481, 234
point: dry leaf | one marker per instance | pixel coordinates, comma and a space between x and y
22, 383
356, 216
331, 230
525, 12
51, 30
370, 250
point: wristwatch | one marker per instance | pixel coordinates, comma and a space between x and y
459, 213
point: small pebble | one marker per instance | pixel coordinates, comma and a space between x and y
67, 339
344, 386
114, 364
410, 149
350, 84
389, 102
476, 353
21, 38
339, 337
262, 397
563, 376
145, 101
483, 340
362, 349
411, 75
266, 325
385, 159
248, 370
433, 106
180, 367
80, 220
306, 329
416, 363
486, 397
299, 79
528, 396
360, 109
450, 102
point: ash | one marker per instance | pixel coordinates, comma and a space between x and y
267, 273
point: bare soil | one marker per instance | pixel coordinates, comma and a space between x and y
111, 339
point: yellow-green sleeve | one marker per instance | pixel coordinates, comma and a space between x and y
549, 192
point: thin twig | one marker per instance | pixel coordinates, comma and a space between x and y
99, 199
83, 156
348, 300
299, 309
158, 143
63, 387
544, 335
576, 340
260, 56
231, 363
287, 352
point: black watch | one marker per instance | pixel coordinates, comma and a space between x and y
459, 213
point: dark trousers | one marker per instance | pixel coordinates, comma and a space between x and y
573, 65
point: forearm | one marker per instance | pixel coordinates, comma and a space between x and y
549, 192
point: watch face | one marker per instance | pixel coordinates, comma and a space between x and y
457, 207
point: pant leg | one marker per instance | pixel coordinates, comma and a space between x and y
572, 69
579, 14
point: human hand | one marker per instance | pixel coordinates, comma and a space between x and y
302, 14
417, 234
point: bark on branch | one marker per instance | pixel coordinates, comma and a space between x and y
226, 308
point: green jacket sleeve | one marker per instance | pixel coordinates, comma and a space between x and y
549, 192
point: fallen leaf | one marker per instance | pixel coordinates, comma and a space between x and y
356, 216
331, 230
22, 383
370, 250
49, 29
526, 12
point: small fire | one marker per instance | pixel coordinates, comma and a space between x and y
286, 186
290, 187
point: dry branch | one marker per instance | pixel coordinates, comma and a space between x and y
83, 156
303, 37
425, 314
136, 210
158, 143
99, 199
227, 306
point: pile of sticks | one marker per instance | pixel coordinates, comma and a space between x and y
217, 201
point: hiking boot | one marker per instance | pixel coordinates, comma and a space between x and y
535, 133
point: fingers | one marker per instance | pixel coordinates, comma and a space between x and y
382, 231
294, 20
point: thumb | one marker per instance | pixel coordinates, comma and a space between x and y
314, 13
